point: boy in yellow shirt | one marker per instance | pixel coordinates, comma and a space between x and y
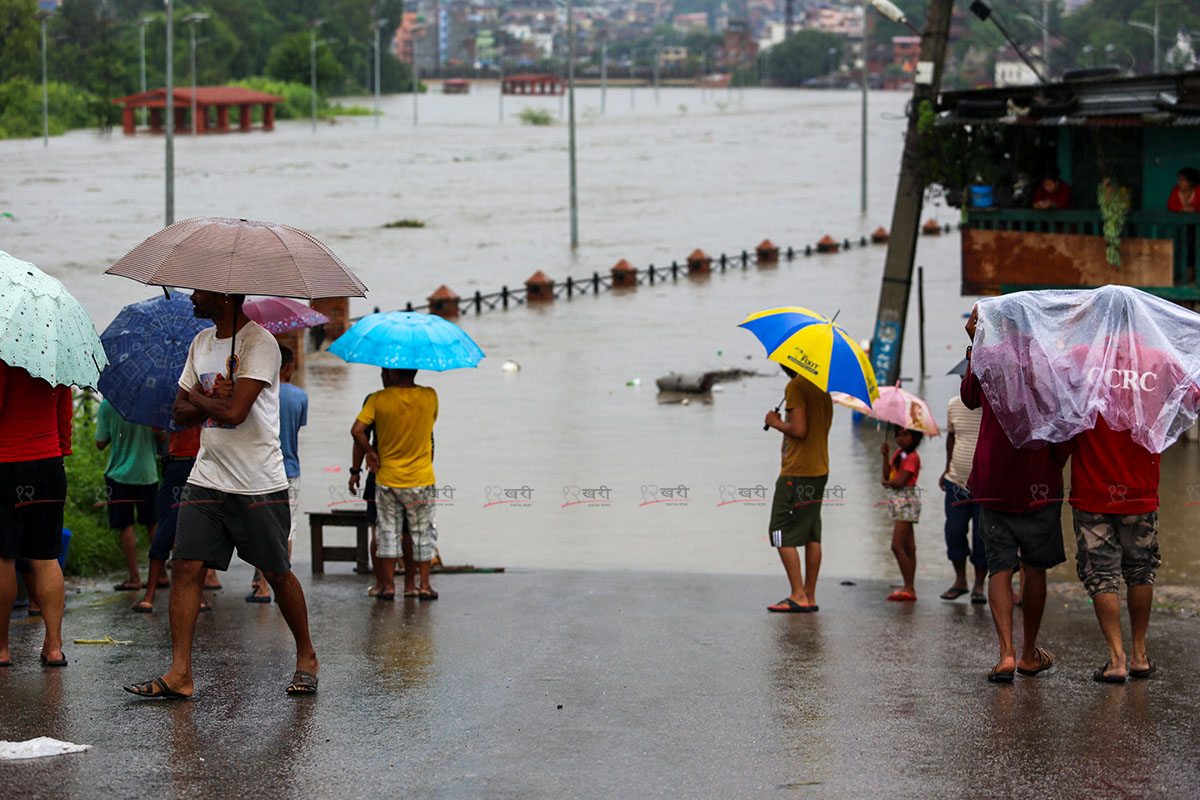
403, 414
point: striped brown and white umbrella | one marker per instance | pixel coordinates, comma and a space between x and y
239, 256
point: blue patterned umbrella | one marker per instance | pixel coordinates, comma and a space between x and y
147, 345
407, 340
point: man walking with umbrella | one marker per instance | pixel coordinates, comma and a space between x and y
236, 497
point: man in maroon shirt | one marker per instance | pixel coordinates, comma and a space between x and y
1114, 501
1020, 494
35, 434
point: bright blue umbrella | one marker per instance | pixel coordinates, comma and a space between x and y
147, 345
407, 340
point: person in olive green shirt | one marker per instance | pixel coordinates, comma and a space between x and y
800, 489
131, 479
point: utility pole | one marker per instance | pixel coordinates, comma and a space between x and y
603, 72
312, 63
571, 119
377, 24
1046, 38
43, 16
866, 65
192, 19
170, 130
888, 341
141, 24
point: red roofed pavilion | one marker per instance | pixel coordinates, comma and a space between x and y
220, 97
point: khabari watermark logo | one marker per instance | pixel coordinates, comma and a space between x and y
664, 495
581, 496
732, 494
496, 495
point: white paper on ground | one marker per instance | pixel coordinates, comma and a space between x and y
40, 747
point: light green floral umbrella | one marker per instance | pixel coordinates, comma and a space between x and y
44, 330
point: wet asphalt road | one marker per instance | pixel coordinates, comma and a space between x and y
602, 684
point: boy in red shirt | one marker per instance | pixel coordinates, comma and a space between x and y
1114, 501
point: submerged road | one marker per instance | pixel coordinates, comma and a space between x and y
562, 684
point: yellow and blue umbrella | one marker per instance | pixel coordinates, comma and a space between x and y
814, 347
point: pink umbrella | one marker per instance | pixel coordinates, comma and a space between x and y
895, 406
282, 314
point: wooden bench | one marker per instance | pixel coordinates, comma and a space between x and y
341, 518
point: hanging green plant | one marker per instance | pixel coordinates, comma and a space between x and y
1113, 201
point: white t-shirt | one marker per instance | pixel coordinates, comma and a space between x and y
964, 424
245, 459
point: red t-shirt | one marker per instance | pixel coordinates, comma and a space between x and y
1003, 477
911, 462
184, 443
1111, 473
1060, 198
35, 417
1175, 202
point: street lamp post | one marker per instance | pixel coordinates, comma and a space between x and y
500, 72
42, 16
169, 136
1153, 31
377, 24
571, 118
192, 19
416, 71
312, 61
141, 24
657, 65
603, 72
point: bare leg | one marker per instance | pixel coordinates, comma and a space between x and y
377, 566
52, 598
289, 594
812, 566
128, 543
1108, 612
187, 590
905, 550
211, 579
387, 574
1033, 603
1139, 600
980, 577
157, 568
791, 565
1000, 598
424, 566
8, 595
960, 573
410, 566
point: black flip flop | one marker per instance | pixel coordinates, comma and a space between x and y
258, 598
996, 676
789, 606
156, 689
430, 595
979, 598
302, 683
1100, 677
125, 587
141, 609
953, 593
1143, 673
1045, 662
61, 662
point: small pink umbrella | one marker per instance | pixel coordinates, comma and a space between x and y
895, 406
282, 314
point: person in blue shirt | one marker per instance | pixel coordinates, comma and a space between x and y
293, 415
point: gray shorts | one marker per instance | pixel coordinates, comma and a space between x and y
1033, 538
212, 524
1115, 544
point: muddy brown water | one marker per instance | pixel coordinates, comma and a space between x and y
564, 464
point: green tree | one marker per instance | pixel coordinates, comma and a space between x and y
805, 55
19, 39
291, 61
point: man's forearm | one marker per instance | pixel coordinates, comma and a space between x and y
219, 409
362, 446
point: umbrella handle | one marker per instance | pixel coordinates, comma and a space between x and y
767, 427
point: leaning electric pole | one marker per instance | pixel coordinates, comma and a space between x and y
888, 341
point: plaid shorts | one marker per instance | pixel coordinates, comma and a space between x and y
1115, 544
396, 505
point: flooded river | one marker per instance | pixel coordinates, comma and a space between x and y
720, 172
